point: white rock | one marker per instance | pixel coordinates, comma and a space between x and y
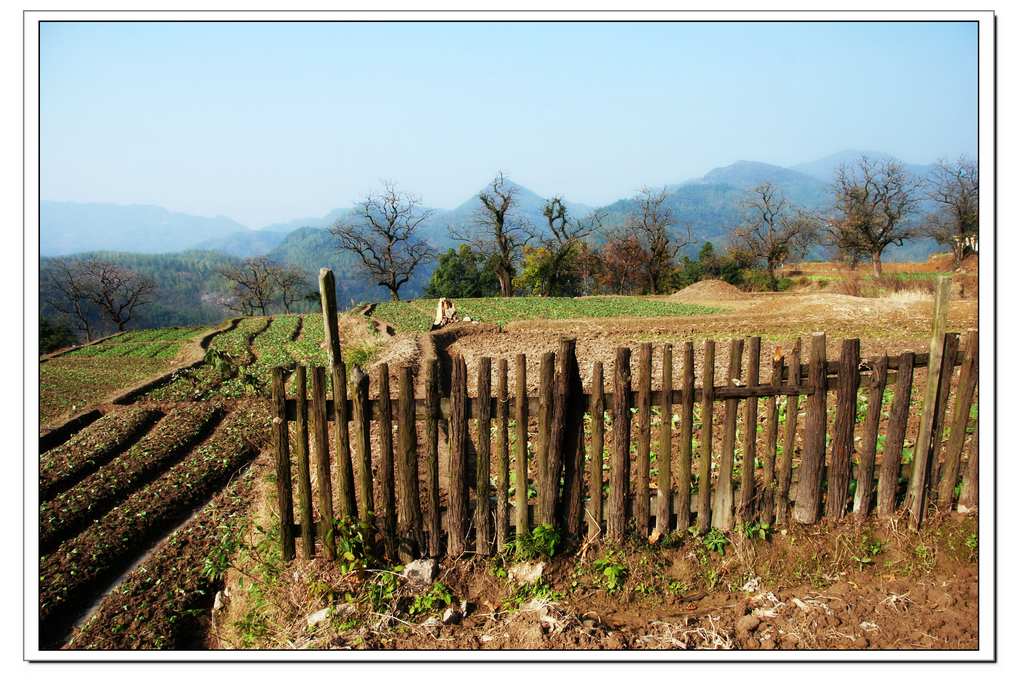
421, 571
526, 573
218, 603
431, 623
451, 616
318, 617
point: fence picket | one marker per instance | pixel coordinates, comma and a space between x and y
307, 527
458, 436
618, 490
482, 507
747, 486
642, 501
573, 447
814, 442
408, 495
520, 463
770, 453
724, 494
703, 506
386, 469
323, 465
868, 447
782, 502
897, 422
843, 440
663, 512
433, 518
545, 416
502, 458
281, 443
960, 420
362, 436
596, 464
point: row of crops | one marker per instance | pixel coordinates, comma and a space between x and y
145, 343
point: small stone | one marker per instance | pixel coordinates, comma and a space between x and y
431, 622
343, 611
745, 625
218, 603
451, 616
655, 537
465, 607
526, 573
318, 617
421, 571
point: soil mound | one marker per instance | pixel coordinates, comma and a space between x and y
710, 290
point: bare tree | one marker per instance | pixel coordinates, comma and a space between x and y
381, 232
622, 264
115, 290
874, 200
954, 186
499, 232
291, 284
564, 240
652, 224
66, 290
773, 230
254, 285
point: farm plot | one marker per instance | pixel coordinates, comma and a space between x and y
270, 349
160, 604
146, 343
68, 385
417, 316
80, 565
87, 450
72, 509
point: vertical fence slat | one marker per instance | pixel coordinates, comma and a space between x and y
724, 499
927, 448
520, 463
596, 464
344, 462
281, 442
968, 501
362, 435
843, 440
771, 440
685, 463
788, 444
502, 458
703, 503
386, 469
959, 421
747, 484
619, 474
545, 416
458, 436
573, 446
663, 513
814, 445
951, 344
307, 526
330, 321
897, 422
482, 508
323, 465
870, 430
408, 494
642, 496
433, 519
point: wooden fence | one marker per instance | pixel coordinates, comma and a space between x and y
799, 475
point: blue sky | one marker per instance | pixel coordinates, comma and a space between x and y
266, 122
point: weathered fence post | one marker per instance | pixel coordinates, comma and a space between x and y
408, 494
323, 465
968, 501
482, 508
897, 422
685, 463
307, 526
545, 417
619, 474
916, 498
596, 464
770, 454
960, 420
663, 511
703, 502
281, 442
870, 431
951, 343
520, 463
843, 442
330, 318
747, 485
642, 496
573, 447
807, 495
386, 470
724, 495
433, 521
791, 425
362, 434
458, 436
502, 458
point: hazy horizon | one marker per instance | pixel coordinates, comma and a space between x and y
267, 123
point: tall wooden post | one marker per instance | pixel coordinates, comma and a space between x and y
917, 491
570, 511
330, 319
619, 474
807, 496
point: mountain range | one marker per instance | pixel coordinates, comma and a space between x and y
172, 245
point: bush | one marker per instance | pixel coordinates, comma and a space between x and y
462, 273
